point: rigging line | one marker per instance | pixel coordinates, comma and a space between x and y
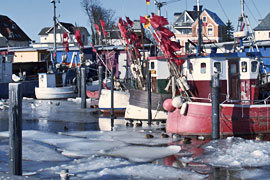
251, 12
256, 9
214, 43
223, 10
258, 12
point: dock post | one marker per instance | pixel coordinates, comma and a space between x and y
215, 105
100, 80
149, 99
83, 88
112, 98
79, 81
15, 128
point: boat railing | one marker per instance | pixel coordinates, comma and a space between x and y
262, 101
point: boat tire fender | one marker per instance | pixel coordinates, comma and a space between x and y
184, 108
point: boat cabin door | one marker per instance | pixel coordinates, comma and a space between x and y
234, 79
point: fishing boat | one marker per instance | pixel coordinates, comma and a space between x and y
243, 109
57, 82
7, 76
120, 101
137, 108
53, 86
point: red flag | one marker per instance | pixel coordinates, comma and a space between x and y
131, 23
65, 41
158, 21
93, 48
166, 32
142, 19
122, 29
103, 27
97, 28
243, 26
78, 38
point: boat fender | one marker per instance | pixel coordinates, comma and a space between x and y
179, 82
184, 81
168, 85
177, 102
184, 108
134, 69
167, 105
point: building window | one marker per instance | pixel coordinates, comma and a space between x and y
244, 66
254, 66
152, 65
83, 38
190, 67
203, 68
210, 30
204, 19
217, 65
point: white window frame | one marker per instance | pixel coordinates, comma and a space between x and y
204, 19
210, 26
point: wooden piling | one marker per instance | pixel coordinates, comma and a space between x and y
79, 81
100, 80
15, 129
112, 98
83, 88
215, 105
149, 87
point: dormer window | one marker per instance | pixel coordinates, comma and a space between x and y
204, 19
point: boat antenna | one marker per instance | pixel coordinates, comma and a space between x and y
54, 58
243, 22
199, 44
160, 4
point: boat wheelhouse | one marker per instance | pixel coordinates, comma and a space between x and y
243, 108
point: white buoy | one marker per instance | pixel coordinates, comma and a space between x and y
177, 102
184, 109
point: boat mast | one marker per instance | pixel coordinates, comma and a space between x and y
199, 44
54, 35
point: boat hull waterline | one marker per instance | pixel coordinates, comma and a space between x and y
235, 119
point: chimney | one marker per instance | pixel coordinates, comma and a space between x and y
195, 8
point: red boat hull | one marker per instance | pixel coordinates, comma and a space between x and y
234, 119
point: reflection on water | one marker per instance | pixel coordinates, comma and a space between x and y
53, 116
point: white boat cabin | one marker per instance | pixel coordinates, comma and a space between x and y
238, 74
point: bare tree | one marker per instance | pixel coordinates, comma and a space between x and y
95, 12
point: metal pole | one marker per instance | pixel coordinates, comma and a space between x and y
149, 99
83, 88
54, 34
215, 105
15, 128
79, 81
199, 30
100, 80
112, 98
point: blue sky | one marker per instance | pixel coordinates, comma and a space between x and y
33, 15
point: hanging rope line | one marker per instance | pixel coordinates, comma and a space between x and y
223, 10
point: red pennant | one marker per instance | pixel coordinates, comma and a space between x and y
97, 28
78, 38
65, 41
142, 20
158, 21
131, 23
166, 32
103, 27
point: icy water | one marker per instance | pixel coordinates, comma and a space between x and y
59, 136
